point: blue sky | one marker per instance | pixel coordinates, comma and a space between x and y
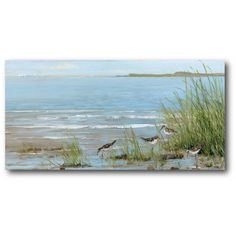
106, 67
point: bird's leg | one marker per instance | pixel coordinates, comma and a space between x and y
196, 159
105, 154
152, 152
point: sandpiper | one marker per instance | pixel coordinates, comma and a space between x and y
195, 151
105, 147
152, 140
167, 131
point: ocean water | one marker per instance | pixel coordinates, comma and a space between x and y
101, 93
96, 110
71, 104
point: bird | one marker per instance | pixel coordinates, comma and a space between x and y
167, 131
195, 151
105, 147
153, 140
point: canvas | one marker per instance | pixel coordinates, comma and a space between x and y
115, 115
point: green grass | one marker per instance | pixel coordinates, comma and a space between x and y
133, 152
131, 149
199, 116
73, 155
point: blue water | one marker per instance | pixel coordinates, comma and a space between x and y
109, 93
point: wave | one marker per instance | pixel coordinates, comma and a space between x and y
48, 111
121, 126
134, 117
55, 137
23, 111
51, 126
55, 111
86, 116
130, 111
108, 117
85, 126
48, 118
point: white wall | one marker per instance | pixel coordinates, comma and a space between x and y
119, 203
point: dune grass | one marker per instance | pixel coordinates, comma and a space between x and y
198, 117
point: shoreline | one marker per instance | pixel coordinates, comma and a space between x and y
36, 154
173, 75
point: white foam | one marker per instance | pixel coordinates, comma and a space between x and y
52, 126
120, 126
83, 117
86, 116
142, 116
53, 111
85, 126
116, 117
23, 111
54, 137
131, 111
48, 118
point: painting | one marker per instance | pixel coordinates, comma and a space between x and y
148, 115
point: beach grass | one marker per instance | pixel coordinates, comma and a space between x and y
73, 155
133, 152
198, 117
131, 149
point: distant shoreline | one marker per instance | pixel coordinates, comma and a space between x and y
176, 74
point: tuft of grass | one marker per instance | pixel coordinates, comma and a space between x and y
29, 148
132, 149
73, 155
198, 117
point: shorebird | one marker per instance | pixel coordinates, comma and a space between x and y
167, 131
153, 141
195, 151
105, 147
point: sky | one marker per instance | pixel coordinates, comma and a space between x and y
106, 67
